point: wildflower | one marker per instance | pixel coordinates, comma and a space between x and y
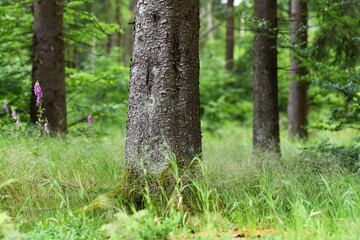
90, 120
13, 114
38, 92
6, 106
46, 128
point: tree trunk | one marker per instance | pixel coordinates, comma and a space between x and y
164, 104
230, 24
209, 21
265, 83
119, 34
134, 11
49, 62
297, 105
110, 43
93, 53
242, 26
76, 58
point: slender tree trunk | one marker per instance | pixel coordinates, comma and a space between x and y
265, 83
109, 44
76, 58
119, 34
297, 105
242, 26
93, 54
134, 11
230, 24
209, 20
49, 62
164, 104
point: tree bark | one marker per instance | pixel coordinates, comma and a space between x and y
297, 105
164, 104
265, 82
230, 24
49, 63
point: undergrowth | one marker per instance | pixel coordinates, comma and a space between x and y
301, 196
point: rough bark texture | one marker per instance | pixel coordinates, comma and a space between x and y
230, 24
164, 104
49, 62
265, 85
297, 105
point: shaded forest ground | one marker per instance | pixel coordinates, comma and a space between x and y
304, 196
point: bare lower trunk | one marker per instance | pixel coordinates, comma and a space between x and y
265, 83
164, 105
230, 24
297, 106
49, 62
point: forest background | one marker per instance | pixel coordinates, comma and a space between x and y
98, 37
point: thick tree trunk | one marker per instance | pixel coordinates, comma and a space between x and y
265, 83
49, 62
164, 104
230, 24
297, 105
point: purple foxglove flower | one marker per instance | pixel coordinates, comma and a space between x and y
37, 90
90, 120
6, 106
18, 122
13, 114
37, 101
46, 128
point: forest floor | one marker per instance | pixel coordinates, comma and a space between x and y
302, 196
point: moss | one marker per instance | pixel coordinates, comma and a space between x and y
126, 191
133, 187
130, 191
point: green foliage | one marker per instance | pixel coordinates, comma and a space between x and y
102, 94
346, 156
225, 95
101, 91
312, 194
15, 42
336, 39
67, 228
7, 230
141, 225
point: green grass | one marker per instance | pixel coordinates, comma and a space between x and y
296, 198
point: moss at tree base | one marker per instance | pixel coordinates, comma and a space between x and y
133, 190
